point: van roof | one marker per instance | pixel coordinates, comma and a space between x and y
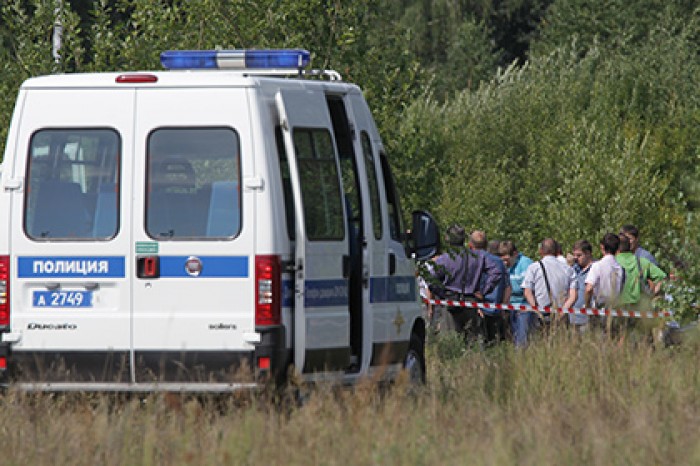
215, 78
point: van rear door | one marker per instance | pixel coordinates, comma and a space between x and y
194, 235
321, 309
71, 297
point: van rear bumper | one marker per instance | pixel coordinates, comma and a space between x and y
133, 387
146, 371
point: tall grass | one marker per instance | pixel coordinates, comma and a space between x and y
562, 401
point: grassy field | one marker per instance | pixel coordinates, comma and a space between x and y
563, 401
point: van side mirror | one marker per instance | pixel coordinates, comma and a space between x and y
425, 236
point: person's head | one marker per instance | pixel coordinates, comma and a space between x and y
508, 252
625, 244
609, 243
583, 253
493, 246
455, 235
548, 247
557, 248
477, 240
632, 233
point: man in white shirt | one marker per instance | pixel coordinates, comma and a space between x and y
606, 277
548, 282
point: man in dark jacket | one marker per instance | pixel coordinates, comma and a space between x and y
459, 273
494, 319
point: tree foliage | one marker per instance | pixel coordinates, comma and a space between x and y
130, 34
574, 144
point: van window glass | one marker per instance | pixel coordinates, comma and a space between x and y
373, 187
286, 183
320, 184
72, 185
193, 184
392, 200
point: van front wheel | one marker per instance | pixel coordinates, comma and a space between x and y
415, 361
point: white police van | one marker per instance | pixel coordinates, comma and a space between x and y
179, 230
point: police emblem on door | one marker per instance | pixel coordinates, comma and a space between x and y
193, 266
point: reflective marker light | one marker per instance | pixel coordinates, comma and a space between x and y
235, 59
264, 363
136, 78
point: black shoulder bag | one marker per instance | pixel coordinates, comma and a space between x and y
546, 282
643, 284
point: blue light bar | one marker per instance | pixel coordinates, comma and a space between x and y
235, 59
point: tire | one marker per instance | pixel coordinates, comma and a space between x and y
414, 363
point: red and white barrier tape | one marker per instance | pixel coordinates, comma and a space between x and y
552, 310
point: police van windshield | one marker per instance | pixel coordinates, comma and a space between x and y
193, 184
72, 184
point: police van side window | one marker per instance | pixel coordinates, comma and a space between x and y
320, 184
392, 200
193, 184
373, 188
72, 188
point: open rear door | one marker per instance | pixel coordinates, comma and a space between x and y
321, 306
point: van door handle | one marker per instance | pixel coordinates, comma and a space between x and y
148, 267
392, 263
347, 266
92, 286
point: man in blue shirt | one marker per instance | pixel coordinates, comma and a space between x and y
495, 330
632, 233
517, 265
583, 258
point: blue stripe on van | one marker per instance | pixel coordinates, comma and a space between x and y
212, 267
392, 289
322, 293
287, 293
71, 267
319, 293
325, 293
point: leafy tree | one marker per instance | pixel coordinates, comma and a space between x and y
27, 45
130, 34
571, 145
613, 24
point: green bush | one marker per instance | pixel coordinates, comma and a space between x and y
569, 146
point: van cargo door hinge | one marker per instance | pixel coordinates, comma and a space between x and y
13, 184
254, 183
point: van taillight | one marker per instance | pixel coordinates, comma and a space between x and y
267, 290
4, 291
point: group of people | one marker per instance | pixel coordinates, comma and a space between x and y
473, 269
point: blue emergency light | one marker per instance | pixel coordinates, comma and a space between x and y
235, 59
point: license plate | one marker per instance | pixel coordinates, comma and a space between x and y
62, 299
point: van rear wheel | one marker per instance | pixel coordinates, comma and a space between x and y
415, 361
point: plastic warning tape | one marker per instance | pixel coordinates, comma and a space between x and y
553, 310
